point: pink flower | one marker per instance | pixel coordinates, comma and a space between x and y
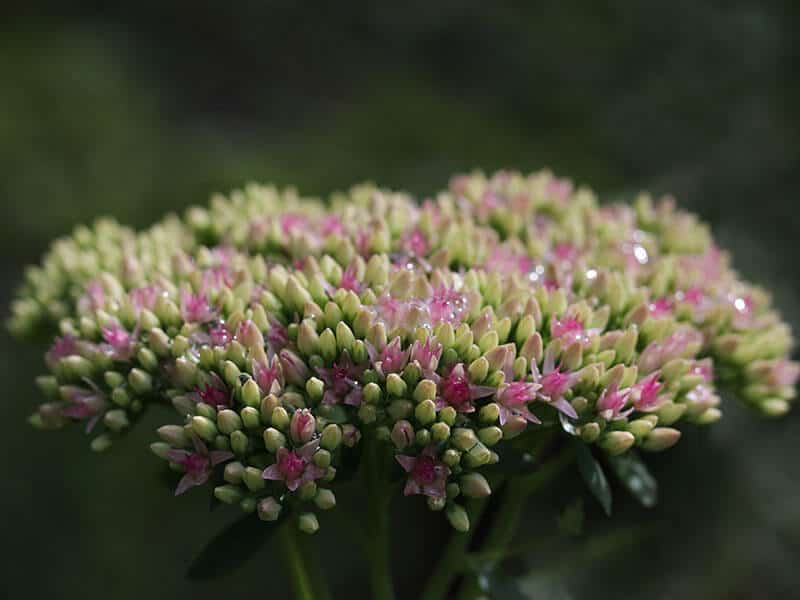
144, 297
694, 295
426, 355
294, 467
216, 278
414, 243
784, 373
349, 280
215, 394
291, 222
61, 348
119, 343
268, 375
390, 311
560, 189
565, 252
426, 475
294, 370
554, 384
646, 393
331, 224
195, 308
277, 336
341, 381
455, 390
302, 426
513, 399
611, 403
94, 297
505, 260
661, 307
197, 465
447, 306
392, 359
219, 335
704, 368
82, 403
682, 343
569, 330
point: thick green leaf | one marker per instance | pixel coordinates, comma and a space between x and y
634, 475
593, 475
231, 548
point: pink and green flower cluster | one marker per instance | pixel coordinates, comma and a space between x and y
283, 331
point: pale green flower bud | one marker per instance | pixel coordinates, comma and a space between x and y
269, 509
273, 439
228, 494
204, 428
240, 443
589, 432
477, 456
308, 523
490, 435
233, 472
231, 374
458, 518
448, 415
617, 442
116, 420
331, 437
327, 345
325, 499
670, 412
160, 449
661, 438
425, 390
251, 417
474, 485
372, 393
489, 413
478, 370
425, 412
440, 432
252, 479
280, 418
228, 421
307, 338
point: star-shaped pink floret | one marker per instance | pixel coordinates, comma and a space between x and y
426, 475
295, 467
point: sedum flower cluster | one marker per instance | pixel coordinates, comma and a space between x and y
286, 331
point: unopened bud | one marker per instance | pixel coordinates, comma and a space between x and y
474, 485
661, 438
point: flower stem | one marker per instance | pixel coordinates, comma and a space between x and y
451, 560
378, 543
515, 496
300, 578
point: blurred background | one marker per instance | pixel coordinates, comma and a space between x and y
143, 108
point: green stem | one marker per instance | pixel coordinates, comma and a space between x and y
378, 543
301, 581
451, 560
515, 496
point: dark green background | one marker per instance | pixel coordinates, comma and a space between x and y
141, 109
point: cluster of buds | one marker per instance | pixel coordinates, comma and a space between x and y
283, 331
